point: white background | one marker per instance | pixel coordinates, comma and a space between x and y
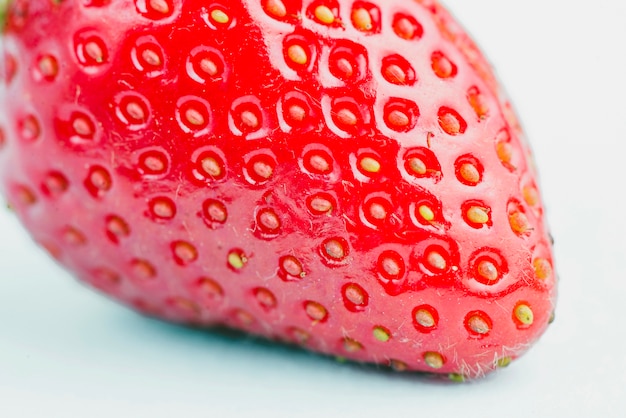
67, 352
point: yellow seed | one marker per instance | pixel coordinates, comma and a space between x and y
488, 270
519, 223
276, 8
436, 260
456, 377
397, 365
347, 117
378, 211
398, 119
297, 54
543, 269
315, 311
249, 119
297, 113
426, 213
417, 166
478, 325
362, 19
160, 6
236, 260
194, 117
524, 314
503, 361
433, 359
424, 318
212, 167
470, 173
478, 215
352, 346
381, 334
370, 165
334, 250
394, 74
324, 15
220, 16
531, 196
504, 151
209, 67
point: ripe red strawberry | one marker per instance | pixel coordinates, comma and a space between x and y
343, 174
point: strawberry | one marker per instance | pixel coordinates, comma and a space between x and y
346, 175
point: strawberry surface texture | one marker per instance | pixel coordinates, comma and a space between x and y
344, 175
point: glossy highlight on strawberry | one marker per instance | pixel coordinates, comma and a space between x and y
344, 175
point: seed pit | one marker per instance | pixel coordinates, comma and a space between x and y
300, 52
543, 268
425, 318
184, 252
523, 315
397, 70
381, 334
478, 323
153, 163
355, 298
297, 113
236, 259
350, 345
206, 65
265, 298
406, 27
147, 56
46, 68
54, 184
132, 110
283, 10
488, 267
468, 170
210, 166
321, 203
259, 168
142, 269
442, 66
422, 163
155, 9
476, 214
318, 161
193, 115
365, 17
268, 222
209, 289
162, 208
400, 115
325, 12
334, 251
348, 61
436, 259
478, 102
290, 268
451, 121
518, 221
98, 181
391, 266
29, 128
116, 228
434, 360
90, 49
316, 311
376, 211
214, 213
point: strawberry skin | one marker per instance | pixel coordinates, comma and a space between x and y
345, 175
